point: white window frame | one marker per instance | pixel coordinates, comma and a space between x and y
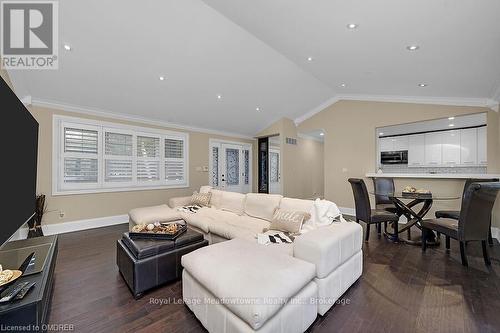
60, 188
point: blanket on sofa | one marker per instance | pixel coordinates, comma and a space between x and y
274, 238
189, 209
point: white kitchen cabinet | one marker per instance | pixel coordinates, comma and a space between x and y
400, 143
416, 150
386, 144
433, 148
451, 148
468, 147
395, 143
482, 149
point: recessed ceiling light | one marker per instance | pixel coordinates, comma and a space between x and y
422, 85
451, 125
219, 96
67, 47
257, 109
309, 59
412, 47
451, 118
162, 78
343, 85
352, 26
321, 133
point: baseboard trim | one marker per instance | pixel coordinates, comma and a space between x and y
61, 228
348, 211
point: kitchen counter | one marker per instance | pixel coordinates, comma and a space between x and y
433, 175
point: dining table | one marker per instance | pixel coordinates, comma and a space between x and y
414, 206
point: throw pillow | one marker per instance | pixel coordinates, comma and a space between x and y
202, 199
288, 220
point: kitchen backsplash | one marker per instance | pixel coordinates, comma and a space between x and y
403, 168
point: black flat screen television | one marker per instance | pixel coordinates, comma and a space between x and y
19, 135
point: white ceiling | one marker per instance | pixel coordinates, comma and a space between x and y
254, 54
119, 50
459, 41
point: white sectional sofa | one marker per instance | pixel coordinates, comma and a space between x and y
335, 250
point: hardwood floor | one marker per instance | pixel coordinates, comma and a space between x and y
401, 290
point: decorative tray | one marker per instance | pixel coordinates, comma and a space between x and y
9, 276
163, 231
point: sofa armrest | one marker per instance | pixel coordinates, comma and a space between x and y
179, 202
329, 247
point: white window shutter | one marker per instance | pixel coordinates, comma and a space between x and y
148, 159
80, 156
80, 170
118, 150
175, 163
80, 141
118, 144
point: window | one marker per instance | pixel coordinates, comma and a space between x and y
92, 156
174, 160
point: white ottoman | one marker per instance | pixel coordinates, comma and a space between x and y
240, 286
160, 213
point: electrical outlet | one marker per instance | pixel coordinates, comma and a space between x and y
205, 168
61, 214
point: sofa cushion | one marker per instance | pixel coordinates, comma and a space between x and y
329, 247
161, 213
216, 198
262, 205
232, 202
201, 219
261, 277
288, 220
297, 205
226, 224
201, 199
205, 189
229, 231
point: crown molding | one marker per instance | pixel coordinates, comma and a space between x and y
317, 109
26, 100
473, 102
136, 119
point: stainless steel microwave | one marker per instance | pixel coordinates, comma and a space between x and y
394, 157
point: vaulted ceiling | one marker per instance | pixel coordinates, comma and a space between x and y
237, 66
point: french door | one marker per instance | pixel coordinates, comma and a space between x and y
274, 171
231, 166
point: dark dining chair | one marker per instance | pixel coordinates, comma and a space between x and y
363, 208
455, 214
383, 187
473, 222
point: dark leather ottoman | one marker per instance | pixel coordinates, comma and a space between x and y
146, 264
